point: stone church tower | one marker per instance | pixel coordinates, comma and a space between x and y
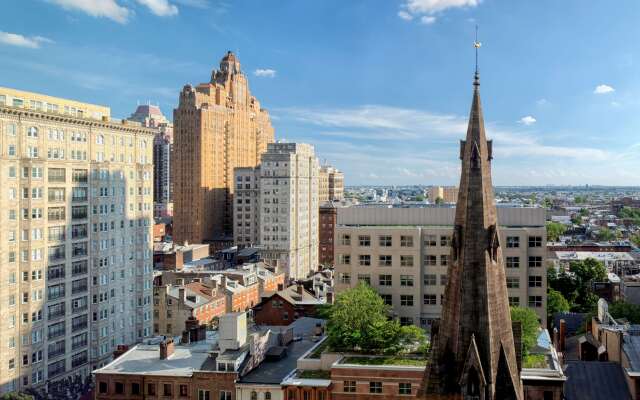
473, 353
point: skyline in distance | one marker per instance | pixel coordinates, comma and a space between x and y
379, 88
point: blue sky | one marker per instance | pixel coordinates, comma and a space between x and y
382, 88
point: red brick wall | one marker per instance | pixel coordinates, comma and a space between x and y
206, 312
245, 299
389, 378
267, 314
326, 235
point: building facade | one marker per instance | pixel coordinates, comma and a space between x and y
246, 225
327, 224
404, 254
218, 126
150, 116
330, 184
446, 194
75, 266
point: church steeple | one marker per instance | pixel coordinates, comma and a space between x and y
473, 351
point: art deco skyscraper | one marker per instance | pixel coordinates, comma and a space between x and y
218, 126
473, 353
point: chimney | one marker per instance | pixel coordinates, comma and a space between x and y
166, 348
329, 297
181, 294
299, 288
280, 286
562, 334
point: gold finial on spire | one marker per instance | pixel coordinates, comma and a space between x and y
477, 44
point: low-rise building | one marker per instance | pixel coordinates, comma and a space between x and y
169, 256
174, 305
286, 306
620, 263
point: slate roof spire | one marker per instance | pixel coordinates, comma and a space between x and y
473, 351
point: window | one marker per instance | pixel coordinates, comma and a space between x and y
513, 282
445, 241
267, 395
513, 242
430, 261
184, 390
514, 301
254, 395
513, 262
225, 395
535, 301
387, 298
204, 394
167, 389
385, 260
135, 388
535, 281
384, 280
443, 280
535, 262
32, 132
344, 259
366, 278
430, 240
56, 194
375, 387
345, 278
535, 241
151, 389
444, 260
430, 279
406, 280
119, 388
406, 321
345, 240
349, 386
406, 241
56, 174
404, 388
429, 299
406, 261
406, 300
364, 240
385, 241
365, 260
56, 214
102, 387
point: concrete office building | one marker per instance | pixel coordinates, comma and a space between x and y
219, 126
151, 116
284, 218
75, 242
404, 253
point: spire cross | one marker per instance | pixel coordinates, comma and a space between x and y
477, 45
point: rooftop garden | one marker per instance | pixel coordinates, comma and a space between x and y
319, 349
314, 374
359, 322
535, 361
386, 360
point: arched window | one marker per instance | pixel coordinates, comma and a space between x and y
100, 139
473, 383
32, 132
254, 395
267, 395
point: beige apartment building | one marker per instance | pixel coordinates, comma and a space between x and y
447, 194
404, 253
330, 184
218, 126
278, 206
75, 243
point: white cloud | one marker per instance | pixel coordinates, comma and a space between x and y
428, 19
603, 89
434, 6
405, 15
528, 120
15, 39
161, 8
265, 72
97, 8
542, 102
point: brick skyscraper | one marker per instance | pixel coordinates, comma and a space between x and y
473, 353
218, 126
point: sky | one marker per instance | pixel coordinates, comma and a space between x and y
381, 88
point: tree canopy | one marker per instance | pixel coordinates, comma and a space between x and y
605, 234
556, 303
555, 230
576, 286
530, 326
630, 213
620, 309
359, 321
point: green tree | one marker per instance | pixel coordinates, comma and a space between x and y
635, 239
358, 320
555, 230
580, 199
562, 282
547, 203
530, 326
620, 309
16, 396
419, 197
605, 234
586, 273
630, 213
439, 200
555, 303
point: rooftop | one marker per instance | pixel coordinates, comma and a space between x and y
384, 361
591, 380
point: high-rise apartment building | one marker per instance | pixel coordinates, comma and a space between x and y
151, 116
330, 184
218, 126
75, 242
278, 206
404, 254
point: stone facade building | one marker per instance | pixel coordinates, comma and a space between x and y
331, 184
446, 194
405, 253
218, 126
77, 217
278, 203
